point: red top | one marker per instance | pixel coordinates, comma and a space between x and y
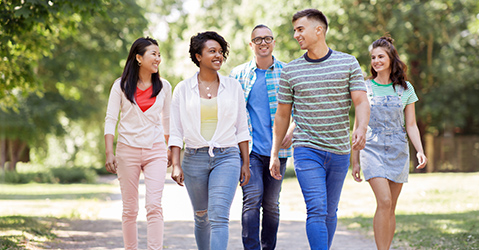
143, 98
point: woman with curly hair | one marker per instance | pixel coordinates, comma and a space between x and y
208, 112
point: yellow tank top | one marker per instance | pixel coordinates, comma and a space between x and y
209, 117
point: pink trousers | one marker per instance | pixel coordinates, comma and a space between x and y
131, 161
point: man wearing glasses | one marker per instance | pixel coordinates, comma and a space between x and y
260, 81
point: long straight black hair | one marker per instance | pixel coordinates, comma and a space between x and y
130, 77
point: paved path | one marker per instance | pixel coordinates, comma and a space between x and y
105, 232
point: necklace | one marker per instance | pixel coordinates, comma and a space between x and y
207, 87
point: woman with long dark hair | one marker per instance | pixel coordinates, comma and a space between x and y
208, 112
385, 159
142, 99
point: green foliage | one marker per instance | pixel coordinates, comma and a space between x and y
74, 175
31, 227
64, 175
439, 41
434, 211
430, 231
73, 71
28, 32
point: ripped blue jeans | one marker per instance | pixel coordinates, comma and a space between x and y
211, 183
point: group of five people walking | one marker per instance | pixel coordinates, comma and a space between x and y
241, 128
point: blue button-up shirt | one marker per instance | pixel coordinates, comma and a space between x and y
246, 75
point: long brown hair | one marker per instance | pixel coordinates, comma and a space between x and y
398, 68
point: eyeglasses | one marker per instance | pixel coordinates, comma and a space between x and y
258, 40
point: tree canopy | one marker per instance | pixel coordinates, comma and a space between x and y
58, 59
65, 89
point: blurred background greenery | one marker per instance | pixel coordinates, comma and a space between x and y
58, 60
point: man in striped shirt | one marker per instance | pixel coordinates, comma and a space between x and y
319, 87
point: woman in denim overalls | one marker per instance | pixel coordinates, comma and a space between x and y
385, 159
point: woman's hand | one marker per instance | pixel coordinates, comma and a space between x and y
177, 174
422, 159
111, 164
356, 172
245, 174
168, 153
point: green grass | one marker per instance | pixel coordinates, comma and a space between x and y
435, 211
18, 231
28, 212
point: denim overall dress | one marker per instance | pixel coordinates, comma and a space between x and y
386, 154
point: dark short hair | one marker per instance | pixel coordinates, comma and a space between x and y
260, 26
398, 68
130, 75
312, 14
197, 43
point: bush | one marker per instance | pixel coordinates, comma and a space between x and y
289, 173
17, 178
74, 175
100, 171
53, 175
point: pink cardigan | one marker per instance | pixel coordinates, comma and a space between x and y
137, 128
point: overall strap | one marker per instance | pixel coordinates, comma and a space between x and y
369, 89
399, 90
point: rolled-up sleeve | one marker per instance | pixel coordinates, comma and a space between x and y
165, 113
176, 128
242, 130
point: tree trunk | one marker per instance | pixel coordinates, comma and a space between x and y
16, 148
3, 153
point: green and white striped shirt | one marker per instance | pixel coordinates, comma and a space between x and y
320, 92
409, 95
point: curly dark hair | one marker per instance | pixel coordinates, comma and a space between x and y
398, 68
197, 43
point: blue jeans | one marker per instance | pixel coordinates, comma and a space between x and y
321, 175
261, 191
211, 183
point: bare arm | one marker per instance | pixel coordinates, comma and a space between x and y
362, 111
356, 171
288, 138
281, 124
413, 133
177, 171
245, 173
111, 164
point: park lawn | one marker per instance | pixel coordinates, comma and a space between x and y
434, 211
29, 212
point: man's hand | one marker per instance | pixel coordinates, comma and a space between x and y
359, 138
274, 170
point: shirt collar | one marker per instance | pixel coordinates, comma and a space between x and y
252, 64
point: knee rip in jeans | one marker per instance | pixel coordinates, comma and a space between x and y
201, 213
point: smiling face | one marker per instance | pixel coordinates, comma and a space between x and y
307, 32
211, 56
263, 49
380, 60
150, 60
